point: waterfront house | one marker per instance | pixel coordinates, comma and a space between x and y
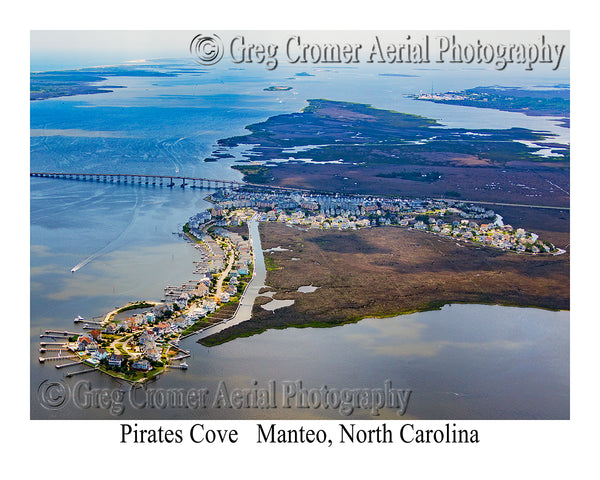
111, 329
84, 341
115, 360
100, 354
159, 310
153, 353
142, 364
96, 335
201, 290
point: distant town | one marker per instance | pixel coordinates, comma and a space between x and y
449, 218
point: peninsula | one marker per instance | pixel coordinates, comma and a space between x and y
547, 101
355, 148
66, 83
140, 340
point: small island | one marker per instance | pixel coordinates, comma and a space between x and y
276, 88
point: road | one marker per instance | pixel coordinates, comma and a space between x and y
226, 271
549, 207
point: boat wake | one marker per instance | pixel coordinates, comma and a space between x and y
111, 244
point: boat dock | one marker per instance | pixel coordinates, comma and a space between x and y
176, 347
49, 359
181, 357
72, 364
60, 332
88, 322
80, 372
183, 366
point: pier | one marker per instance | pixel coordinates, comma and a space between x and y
181, 357
91, 322
79, 372
179, 367
50, 359
60, 332
176, 347
72, 364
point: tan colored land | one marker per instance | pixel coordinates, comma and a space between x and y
388, 270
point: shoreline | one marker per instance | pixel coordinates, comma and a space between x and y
118, 342
215, 340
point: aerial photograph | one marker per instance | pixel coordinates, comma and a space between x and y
302, 225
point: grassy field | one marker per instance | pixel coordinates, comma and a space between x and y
387, 271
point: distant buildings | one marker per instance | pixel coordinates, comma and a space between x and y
451, 218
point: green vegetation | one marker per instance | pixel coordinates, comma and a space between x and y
551, 102
429, 177
134, 306
43, 85
360, 134
254, 173
277, 89
452, 194
270, 263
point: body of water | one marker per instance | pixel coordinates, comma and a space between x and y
465, 361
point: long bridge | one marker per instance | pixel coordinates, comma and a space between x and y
156, 180
159, 180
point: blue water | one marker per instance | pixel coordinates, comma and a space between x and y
123, 238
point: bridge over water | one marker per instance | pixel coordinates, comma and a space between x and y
156, 180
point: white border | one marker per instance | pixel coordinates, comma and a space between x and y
540, 449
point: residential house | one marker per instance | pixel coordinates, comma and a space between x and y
115, 360
96, 335
142, 364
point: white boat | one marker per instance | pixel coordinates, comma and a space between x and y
184, 365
